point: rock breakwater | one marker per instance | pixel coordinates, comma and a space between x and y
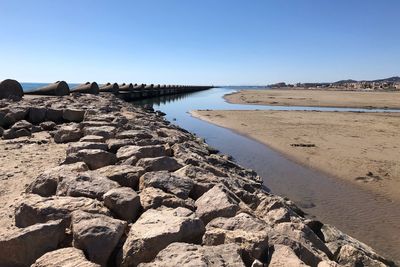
135, 190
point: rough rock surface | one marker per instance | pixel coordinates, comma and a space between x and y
155, 230
153, 198
217, 202
159, 164
168, 182
94, 158
125, 175
65, 257
85, 184
124, 202
35, 209
185, 255
97, 235
23, 246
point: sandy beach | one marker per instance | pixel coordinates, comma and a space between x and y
362, 148
22, 160
321, 98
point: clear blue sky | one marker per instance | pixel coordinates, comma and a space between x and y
199, 42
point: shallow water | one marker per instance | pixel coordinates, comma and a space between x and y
368, 217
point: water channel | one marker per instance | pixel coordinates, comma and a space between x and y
361, 214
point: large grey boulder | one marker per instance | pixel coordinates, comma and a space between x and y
73, 115
54, 114
168, 182
159, 164
22, 124
64, 257
46, 183
97, 235
248, 232
21, 247
85, 184
284, 256
34, 209
155, 230
48, 125
141, 152
68, 133
348, 250
75, 147
106, 131
115, 144
301, 233
94, 158
125, 175
37, 115
219, 201
123, 202
153, 198
188, 255
93, 139
133, 134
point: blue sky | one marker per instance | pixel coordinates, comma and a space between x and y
199, 42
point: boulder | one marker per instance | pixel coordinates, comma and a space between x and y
123, 174
123, 202
168, 182
153, 198
219, 201
54, 115
187, 255
349, 255
97, 235
155, 230
22, 124
73, 115
248, 232
115, 144
11, 89
284, 256
65, 257
48, 125
335, 240
68, 133
141, 152
9, 134
34, 209
22, 132
159, 164
46, 183
106, 131
133, 134
17, 114
85, 184
301, 233
75, 147
21, 247
37, 115
93, 138
94, 158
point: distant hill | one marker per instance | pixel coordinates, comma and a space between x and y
391, 79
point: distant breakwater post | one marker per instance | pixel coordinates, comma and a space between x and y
128, 92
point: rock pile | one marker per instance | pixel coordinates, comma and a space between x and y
135, 190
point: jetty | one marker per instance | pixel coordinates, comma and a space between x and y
126, 91
109, 183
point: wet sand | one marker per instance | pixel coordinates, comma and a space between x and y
362, 148
321, 98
